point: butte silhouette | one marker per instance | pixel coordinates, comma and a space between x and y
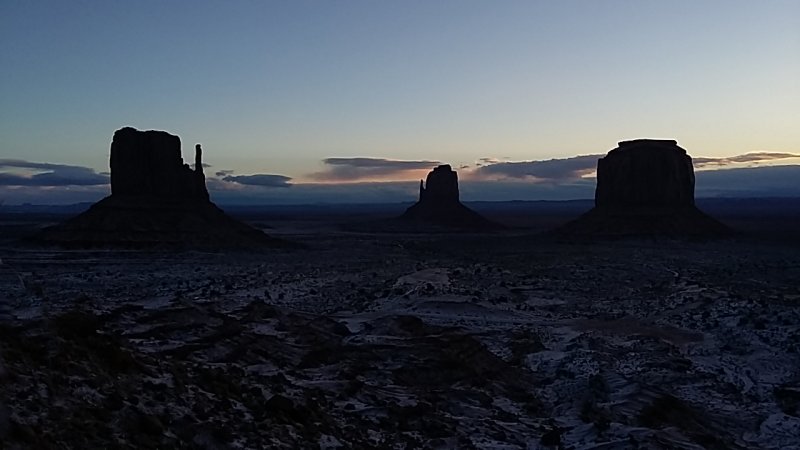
156, 200
439, 204
645, 187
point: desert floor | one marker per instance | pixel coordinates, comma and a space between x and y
384, 340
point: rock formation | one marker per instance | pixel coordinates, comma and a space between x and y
645, 173
645, 187
156, 200
439, 203
442, 187
149, 163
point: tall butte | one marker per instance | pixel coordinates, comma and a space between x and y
645, 187
156, 200
439, 203
148, 164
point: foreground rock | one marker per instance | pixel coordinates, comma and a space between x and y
439, 204
645, 187
156, 200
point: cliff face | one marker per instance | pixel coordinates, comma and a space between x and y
441, 186
149, 164
156, 200
644, 187
645, 173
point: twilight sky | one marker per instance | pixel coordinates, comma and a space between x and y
285, 95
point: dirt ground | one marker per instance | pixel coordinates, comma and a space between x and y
508, 340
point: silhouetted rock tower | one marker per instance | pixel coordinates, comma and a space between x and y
439, 203
645, 187
442, 186
149, 164
645, 173
156, 200
198, 160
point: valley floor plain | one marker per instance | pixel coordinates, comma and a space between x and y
501, 340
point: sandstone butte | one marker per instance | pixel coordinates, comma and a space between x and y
645, 187
439, 204
156, 200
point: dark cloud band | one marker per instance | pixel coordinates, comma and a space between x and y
746, 158
544, 170
49, 174
355, 169
565, 169
264, 180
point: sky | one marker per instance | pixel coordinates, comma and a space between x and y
305, 101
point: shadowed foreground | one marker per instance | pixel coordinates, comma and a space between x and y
404, 341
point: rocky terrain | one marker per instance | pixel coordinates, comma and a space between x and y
404, 341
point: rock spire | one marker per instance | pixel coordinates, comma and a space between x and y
439, 203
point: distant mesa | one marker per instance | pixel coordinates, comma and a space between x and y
645, 187
156, 200
439, 203
149, 164
645, 173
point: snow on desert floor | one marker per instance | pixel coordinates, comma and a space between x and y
369, 340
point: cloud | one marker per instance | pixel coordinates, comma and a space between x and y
224, 173
763, 181
755, 157
29, 173
485, 161
264, 180
575, 168
355, 169
550, 170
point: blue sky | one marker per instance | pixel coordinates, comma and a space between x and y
279, 88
